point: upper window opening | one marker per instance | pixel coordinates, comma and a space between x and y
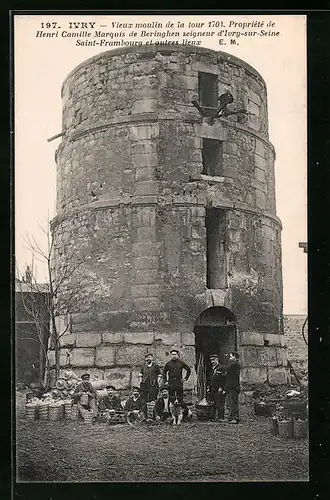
212, 157
208, 89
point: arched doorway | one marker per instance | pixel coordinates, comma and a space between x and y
215, 333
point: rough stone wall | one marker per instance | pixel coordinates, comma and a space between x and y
132, 199
297, 348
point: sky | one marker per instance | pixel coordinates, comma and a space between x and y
41, 63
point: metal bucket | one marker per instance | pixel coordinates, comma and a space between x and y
84, 399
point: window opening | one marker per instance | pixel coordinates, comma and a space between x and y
208, 89
212, 157
216, 230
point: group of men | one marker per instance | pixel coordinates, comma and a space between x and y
165, 388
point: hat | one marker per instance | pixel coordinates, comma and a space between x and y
175, 350
61, 383
110, 387
85, 375
67, 374
148, 354
163, 387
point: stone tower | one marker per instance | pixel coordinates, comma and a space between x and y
173, 213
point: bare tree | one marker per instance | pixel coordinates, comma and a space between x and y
67, 270
60, 297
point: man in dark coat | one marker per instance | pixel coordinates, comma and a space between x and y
162, 410
172, 374
85, 388
232, 387
150, 376
111, 401
136, 403
216, 389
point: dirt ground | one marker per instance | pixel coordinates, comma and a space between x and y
199, 451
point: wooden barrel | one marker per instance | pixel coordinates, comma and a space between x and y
44, 411
300, 429
31, 412
285, 429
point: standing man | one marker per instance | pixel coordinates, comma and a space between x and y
216, 388
233, 387
150, 377
85, 395
172, 374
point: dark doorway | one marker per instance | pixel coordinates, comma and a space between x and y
215, 333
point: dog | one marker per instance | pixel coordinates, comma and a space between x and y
177, 412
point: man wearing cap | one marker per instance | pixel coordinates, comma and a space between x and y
162, 411
172, 374
216, 389
150, 377
136, 403
85, 388
233, 387
111, 401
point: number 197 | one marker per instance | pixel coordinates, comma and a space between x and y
49, 25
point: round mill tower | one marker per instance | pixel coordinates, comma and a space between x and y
166, 201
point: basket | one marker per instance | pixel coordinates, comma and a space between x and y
74, 413
67, 409
300, 429
150, 409
88, 417
262, 409
56, 412
31, 412
298, 408
285, 429
204, 412
44, 411
119, 417
193, 412
274, 426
